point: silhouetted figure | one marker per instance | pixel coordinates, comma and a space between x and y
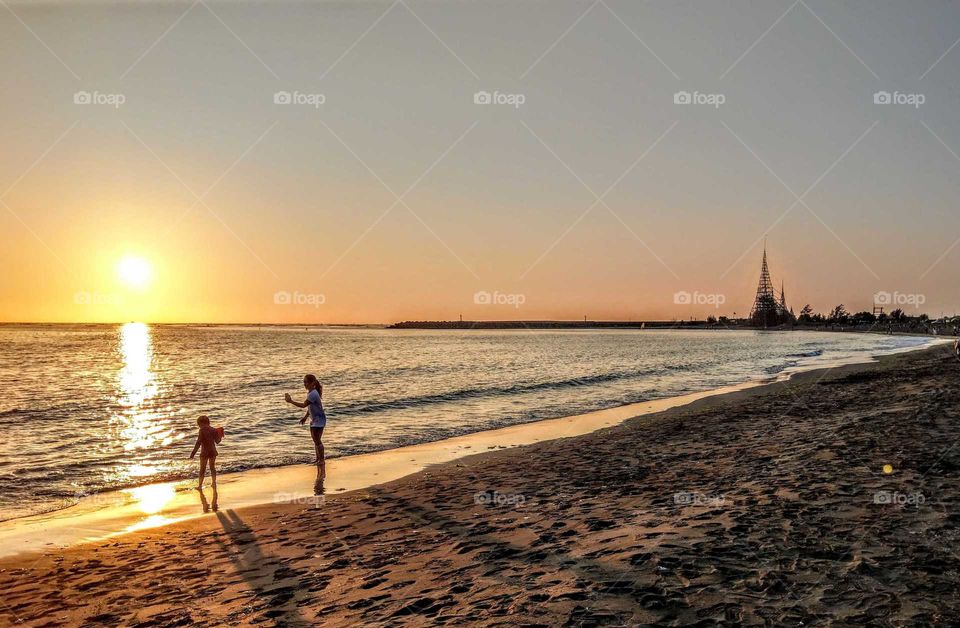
207, 439
318, 418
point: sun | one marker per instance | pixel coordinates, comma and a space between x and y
134, 271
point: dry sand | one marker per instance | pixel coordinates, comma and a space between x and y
758, 507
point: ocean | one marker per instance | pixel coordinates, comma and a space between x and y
89, 408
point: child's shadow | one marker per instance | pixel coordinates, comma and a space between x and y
250, 562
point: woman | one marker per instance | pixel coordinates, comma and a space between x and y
318, 419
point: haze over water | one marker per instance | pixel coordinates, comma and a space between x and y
89, 408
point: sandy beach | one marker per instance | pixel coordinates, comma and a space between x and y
829, 497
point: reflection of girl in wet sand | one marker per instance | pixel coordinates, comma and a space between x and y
318, 419
206, 505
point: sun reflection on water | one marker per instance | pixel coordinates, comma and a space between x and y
136, 379
137, 387
138, 424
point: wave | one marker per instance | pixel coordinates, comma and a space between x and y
806, 354
468, 393
271, 383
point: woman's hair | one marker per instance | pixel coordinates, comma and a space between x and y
203, 420
312, 380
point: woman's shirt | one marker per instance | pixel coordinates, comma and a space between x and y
317, 416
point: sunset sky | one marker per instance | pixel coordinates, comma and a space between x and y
198, 198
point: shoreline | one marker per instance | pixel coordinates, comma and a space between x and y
780, 523
123, 511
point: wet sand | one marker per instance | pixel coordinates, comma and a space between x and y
769, 505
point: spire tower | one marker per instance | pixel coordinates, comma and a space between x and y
766, 311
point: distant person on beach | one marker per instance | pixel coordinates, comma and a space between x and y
207, 439
318, 418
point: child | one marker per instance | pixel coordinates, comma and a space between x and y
318, 418
207, 438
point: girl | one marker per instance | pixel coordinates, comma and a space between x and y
318, 419
207, 444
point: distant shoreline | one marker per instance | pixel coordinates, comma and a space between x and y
547, 324
931, 330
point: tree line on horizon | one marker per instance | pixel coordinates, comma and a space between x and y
839, 316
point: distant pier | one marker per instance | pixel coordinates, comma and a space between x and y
550, 324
